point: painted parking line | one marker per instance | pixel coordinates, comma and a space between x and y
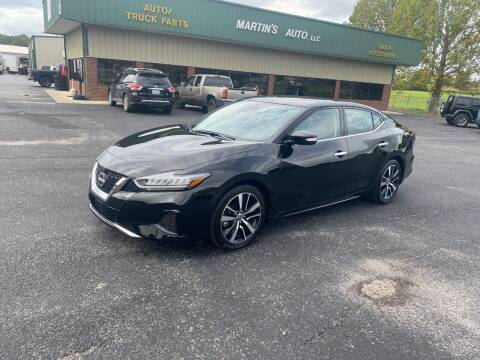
32, 102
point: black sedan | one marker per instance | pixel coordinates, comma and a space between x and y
254, 160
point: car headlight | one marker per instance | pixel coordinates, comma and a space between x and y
170, 181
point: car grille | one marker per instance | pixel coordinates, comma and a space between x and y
106, 211
106, 179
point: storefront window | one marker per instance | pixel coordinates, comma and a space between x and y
109, 70
311, 87
241, 79
176, 74
361, 91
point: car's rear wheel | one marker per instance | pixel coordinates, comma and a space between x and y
127, 106
238, 217
462, 120
111, 102
387, 183
211, 105
45, 81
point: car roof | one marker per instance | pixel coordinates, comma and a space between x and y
309, 102
221, 76
466, 96
145, 70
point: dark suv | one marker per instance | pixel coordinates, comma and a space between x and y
461, 110
142, 88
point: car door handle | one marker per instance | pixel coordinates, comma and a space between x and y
340, 154
383, 144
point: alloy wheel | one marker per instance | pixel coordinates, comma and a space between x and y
390, 182
240, 218
461, 120
125, 103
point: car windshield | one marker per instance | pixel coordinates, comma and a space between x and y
250, 120
153, 80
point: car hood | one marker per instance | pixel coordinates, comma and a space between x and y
167, 149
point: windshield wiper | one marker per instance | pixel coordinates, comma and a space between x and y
215, 134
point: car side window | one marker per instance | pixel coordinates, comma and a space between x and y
463, 101
198, 81
325, 123
358, 121
191, 81
377, 120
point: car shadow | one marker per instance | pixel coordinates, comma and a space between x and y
273, 232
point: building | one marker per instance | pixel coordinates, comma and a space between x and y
280, 53
14, 57
46, 50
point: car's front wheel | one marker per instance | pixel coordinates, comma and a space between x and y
238, 217
387, 183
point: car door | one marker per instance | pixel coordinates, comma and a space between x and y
196, 93
368, 144
314, 174
126, 82
114, 85
476, 111
187, 93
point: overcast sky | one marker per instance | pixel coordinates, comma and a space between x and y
25, 16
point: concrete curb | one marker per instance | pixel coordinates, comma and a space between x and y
61, 97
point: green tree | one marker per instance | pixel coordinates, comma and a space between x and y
18, 40
450, 30
374, 14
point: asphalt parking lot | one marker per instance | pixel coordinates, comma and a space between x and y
353, 281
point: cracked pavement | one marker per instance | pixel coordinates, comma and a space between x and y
72, 288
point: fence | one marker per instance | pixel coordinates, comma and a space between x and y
412, 104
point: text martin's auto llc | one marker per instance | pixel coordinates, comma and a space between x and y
273, 29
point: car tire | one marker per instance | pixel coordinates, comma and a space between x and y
167, 110
387, 183
238, 217
461, 120
111, 102
45, 82
127, 107
211, 105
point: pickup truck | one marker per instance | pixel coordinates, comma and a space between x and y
45, 76
211, 92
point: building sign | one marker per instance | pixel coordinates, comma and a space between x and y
384, 51
274, 29
157, 14
229, 22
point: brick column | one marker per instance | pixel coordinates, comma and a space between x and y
336, 95
190, 71
387, 89
93, 90
271, 85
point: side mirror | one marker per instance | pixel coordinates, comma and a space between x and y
182, 83
301, 138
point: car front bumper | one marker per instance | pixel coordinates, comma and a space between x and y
152, 214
